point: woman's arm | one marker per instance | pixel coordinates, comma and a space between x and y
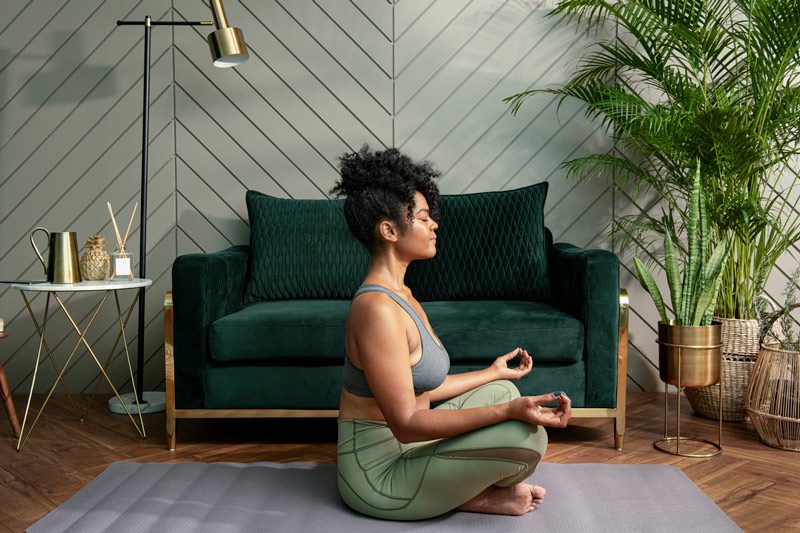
455, 384
383, 352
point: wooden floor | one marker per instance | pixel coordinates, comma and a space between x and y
758, 486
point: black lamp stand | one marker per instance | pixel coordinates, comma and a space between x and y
148, 23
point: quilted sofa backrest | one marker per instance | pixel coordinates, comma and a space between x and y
490, 245
301, 249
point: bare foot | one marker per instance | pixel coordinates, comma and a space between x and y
515, 500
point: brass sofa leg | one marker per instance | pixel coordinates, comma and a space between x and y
169, 367
622, 370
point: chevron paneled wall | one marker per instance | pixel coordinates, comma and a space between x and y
325, 77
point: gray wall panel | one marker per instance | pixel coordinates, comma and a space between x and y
367, 100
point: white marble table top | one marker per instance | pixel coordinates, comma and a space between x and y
83, 286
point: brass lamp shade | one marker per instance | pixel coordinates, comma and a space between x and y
226, 42
227, 47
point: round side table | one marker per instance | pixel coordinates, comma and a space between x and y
106, 290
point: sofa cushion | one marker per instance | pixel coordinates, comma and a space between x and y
302, 332
301, 249
482, 330
491, 245
311, 332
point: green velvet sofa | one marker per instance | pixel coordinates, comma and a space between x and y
258, 330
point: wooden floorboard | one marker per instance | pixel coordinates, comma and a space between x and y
758, 486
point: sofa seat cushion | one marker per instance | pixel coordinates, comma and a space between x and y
482, 330
299, 332
310, 332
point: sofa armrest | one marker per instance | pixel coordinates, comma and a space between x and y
205, 287
585, 283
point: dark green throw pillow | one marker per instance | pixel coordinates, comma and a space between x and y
490, 245
301, 249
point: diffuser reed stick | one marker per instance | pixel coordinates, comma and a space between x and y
120, 242
130, 222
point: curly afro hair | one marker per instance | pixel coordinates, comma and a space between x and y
381, 185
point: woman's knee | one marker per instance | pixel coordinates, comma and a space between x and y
510, 390
508, 435
496, 392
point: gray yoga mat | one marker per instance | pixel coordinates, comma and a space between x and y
223, 497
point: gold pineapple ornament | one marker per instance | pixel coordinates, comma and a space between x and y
95, 262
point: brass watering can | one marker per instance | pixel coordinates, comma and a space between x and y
62, 257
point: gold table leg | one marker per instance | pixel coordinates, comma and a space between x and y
50, 355
81, 340
24, 436
111, 353
140, 429
128, 356
20, 439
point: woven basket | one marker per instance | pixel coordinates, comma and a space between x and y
773, 399
739, 352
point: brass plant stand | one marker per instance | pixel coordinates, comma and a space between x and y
665, 444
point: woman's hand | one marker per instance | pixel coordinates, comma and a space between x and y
529, 409
503, 371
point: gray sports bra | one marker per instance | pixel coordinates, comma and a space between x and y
427, 373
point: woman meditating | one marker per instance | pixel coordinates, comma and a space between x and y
400, 459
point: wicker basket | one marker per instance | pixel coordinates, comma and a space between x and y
773, 398
739, 352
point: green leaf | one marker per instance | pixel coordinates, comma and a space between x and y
692, 272
649, 283
713, 276
718, 258
671, 266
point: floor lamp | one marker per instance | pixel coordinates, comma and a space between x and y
228, 49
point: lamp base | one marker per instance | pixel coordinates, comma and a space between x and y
151, 402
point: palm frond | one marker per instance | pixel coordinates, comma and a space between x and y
714, 81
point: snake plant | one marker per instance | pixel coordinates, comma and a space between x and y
694, 292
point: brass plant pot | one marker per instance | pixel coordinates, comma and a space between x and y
699, 349
688, 356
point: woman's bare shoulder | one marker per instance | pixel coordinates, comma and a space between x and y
375, 320
373, 305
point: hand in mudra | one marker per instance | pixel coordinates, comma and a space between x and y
500, 365
530, 409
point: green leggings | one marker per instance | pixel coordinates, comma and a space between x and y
380, 476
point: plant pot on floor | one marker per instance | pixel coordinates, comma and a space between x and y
698, 350
687, 356
739, 350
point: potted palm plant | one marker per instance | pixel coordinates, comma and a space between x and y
716, 81
689, 345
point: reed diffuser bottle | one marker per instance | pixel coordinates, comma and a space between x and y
121, 259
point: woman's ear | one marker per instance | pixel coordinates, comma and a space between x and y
387, 231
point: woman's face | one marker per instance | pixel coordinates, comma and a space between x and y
419, 240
